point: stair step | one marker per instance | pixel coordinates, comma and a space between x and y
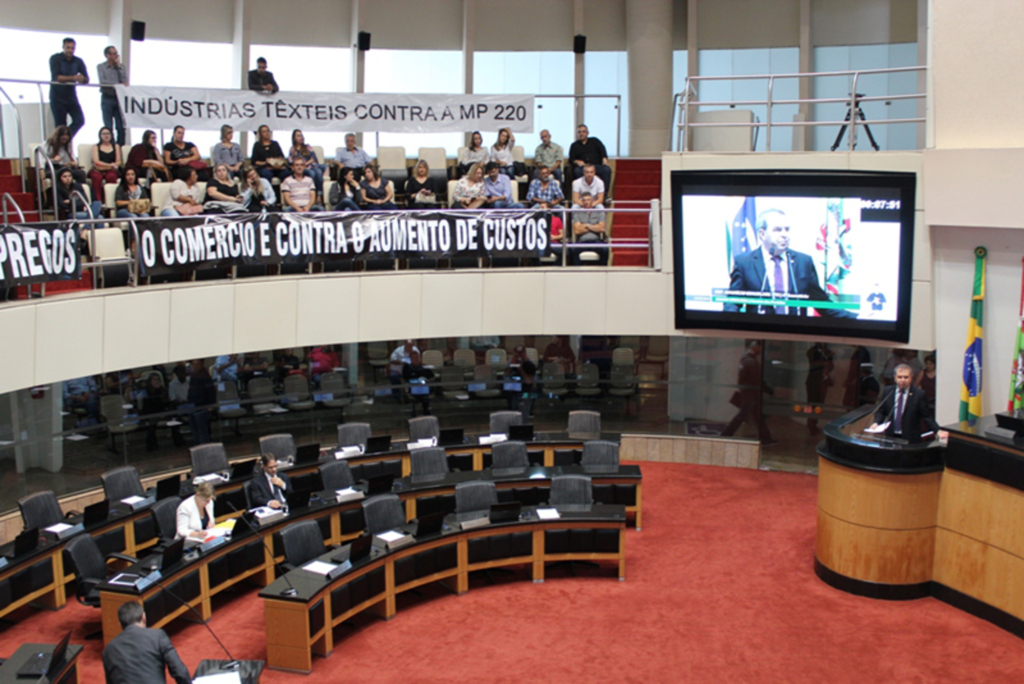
25, 200
10, 184
636, 193
631, 258
630, 231
638, 177
6, 167
638, 164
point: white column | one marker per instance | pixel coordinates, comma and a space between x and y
240, 41
358, 59
579, 87
121, 31
468, 48
802, 139
649, 44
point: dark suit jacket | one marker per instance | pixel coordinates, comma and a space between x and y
915, 413
138, 656
748, 273
259, 488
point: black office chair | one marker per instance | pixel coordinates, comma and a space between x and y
247, 491
600, 453
571, 492
353, 434
584, 424
475, 496
41, 510
301, 542
90, 568
336, 475
509, 455
121, 483
382, 513
165, 518
209, 458
501, 420
424, 427
429, 461
282, 446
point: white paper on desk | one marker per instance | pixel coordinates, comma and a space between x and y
279, 409
878, 429
462, 396
217, 532
132, 500
319, 567
176, 423
348, 452
548, 514
76, 437
389, 537
219, 678
58, 528
5, 442
346, 492
422, 443
493, 439
264, 511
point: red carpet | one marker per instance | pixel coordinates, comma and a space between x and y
719, 588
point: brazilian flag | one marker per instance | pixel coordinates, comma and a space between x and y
970, 390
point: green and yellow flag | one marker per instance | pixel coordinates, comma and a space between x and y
970, 389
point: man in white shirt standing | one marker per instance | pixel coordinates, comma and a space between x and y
401, 356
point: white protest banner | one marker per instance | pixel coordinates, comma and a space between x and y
208, 109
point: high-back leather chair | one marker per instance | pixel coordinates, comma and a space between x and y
382, 513
600, 453
475, 496
301, 542
121, 483
209, 458
429, 461
509, 455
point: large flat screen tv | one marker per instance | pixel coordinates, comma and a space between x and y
825, 253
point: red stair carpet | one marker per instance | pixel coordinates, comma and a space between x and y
719, 588
635, 179
11, 182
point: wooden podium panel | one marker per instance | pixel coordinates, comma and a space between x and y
870, 554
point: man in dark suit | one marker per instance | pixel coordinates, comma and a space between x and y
906, 408
776, 270
269, 487
138, 655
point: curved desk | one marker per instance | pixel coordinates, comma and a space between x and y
906, 521
301, 626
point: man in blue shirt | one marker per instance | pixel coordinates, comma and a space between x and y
544, 193
352, 157
66, 68
498, 189
82, 393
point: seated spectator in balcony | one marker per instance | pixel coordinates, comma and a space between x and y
147, 161
352, 157
58, 150
377, 193
346, 194
588, 183
67, 188
321, 360
267, 156
297, 190
501, 152
469, 192
83, 393
421, 189
476, 153
186, 198
222, 193
286, 363
180, 153
498, 189
314, 169
549, 154
587, 150
106, 163
225, 368
415, 373
544, 193
202, 393
257, 193
261, 80
227, 152
588, 227
561, 353
399, 357
253, 366
131, 199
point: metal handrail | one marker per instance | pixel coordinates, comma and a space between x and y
682, 103
40, 153
4, 199
17, 120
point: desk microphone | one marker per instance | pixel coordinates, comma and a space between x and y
232, 664
290, 591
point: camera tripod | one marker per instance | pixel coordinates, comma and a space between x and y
860, 115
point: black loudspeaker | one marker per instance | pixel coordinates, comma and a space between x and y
139, 30
579, 44
364, 40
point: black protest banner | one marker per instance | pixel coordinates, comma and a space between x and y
39, 253
196, 243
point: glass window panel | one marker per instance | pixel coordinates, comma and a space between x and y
606, 73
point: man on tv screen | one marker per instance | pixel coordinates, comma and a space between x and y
774, 272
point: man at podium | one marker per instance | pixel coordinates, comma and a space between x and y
905, 409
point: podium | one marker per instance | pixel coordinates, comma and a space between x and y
903, 521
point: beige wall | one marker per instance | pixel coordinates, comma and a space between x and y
748, 24
211, 21
324, 23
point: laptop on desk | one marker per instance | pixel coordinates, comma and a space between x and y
520, 433
244, 469
167, 487
450, 437
429, 524
505, 512
298, 500
96, 513
26, 542
378, 444
172, 555
48, 664
380, 484
307, 453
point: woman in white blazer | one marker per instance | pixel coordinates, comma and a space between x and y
195, 513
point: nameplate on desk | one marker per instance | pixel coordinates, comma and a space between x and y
493, 439
1000, 432
422, 443
130, 579
349, 494
340, 570
475, 522
62, 530
3, 561
395, 540
138, 502
219, 678
348, 452
215, 478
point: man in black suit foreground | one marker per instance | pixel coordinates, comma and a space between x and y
776, 270
906, 408
138, 655
269, 487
